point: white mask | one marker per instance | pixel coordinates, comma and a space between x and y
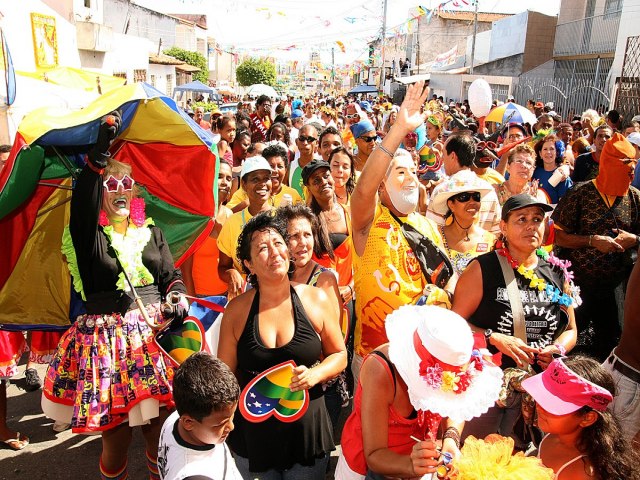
404, 200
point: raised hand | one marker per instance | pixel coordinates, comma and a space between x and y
410, 115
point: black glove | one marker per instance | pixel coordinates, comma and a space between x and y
108, 130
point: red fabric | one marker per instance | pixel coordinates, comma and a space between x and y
400, 430
5, 173
16, 227
178, 180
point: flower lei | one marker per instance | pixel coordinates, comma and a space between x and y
449, 381
554, 294
136, 213
129, 248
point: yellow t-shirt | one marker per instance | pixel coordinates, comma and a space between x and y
228, 237
491, 176
387, 275
240, 196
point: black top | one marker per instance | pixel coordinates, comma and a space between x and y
585, 168
96, 258
273, 444
544, 320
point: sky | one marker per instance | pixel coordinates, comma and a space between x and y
290, 29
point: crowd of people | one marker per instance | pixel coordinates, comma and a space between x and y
441, 278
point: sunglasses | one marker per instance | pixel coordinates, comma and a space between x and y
304, 139
352, 116
369, 139
464, 197
112, 184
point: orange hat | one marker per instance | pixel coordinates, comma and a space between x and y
614, 176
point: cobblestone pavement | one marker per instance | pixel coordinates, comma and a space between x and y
52, 455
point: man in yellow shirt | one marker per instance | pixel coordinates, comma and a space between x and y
387, 272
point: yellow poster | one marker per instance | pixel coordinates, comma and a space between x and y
45, 40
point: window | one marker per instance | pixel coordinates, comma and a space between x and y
139, 75
87, 3
169, 90
152, 80
612, 7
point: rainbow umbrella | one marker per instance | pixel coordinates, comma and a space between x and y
511, 113
174, 163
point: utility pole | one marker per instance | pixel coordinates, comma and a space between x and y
475, 32
382, 43
333, 68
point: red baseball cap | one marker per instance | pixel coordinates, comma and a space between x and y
560, 391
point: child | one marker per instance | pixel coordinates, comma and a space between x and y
584, 439
226, 127
192, 442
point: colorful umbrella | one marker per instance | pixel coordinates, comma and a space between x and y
511, 113
173, 161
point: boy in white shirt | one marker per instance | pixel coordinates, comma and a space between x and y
192, 443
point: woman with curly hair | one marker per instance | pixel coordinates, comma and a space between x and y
550, 157
584, 439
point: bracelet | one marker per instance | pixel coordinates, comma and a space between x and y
562, 348
385, 150
453, 434
590, 239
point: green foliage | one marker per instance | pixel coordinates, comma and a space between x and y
254, 71
206, 105
192, 58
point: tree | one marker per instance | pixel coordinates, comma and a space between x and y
254, 71
195, 59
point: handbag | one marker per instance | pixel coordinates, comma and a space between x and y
524, 427
434, 263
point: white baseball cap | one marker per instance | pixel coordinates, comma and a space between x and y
634, 138
252, 164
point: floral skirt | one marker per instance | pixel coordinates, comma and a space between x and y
105, 368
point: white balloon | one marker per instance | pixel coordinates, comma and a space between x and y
480, 97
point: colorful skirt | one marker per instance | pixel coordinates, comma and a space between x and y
107, 369
12, 346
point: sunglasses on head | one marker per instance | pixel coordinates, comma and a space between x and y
369, 139
464, 197
304, 139
112, 184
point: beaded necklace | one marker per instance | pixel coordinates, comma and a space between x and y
553, 293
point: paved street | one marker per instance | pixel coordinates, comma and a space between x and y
63, 455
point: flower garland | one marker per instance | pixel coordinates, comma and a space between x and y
450, 381
553, 293
137, 213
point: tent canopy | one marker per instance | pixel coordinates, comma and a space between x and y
363, 89
196, 86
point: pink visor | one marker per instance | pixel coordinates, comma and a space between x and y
561, 391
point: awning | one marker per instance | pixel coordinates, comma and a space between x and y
414, 78
187, 68
363, 89
162, 59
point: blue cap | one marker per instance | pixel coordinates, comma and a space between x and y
366, 106
296, 104
297, 113
362, 127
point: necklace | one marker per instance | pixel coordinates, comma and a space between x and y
336, 218
553, 293
466, 230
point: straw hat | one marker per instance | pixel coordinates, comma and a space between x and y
462, 181
432, 349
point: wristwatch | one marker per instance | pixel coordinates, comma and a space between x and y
487, 335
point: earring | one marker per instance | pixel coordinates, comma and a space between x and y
449, 220
252, 279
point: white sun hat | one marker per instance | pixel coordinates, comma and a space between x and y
432, 349
462, 181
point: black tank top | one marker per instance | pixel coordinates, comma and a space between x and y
544, 320
273, 444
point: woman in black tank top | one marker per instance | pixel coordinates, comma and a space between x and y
546, 325
276, 322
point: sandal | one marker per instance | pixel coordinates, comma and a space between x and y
17, 443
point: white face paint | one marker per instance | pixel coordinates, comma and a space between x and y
402, 184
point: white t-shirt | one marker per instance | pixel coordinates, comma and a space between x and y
178, 460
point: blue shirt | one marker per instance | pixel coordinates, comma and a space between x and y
554, 193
